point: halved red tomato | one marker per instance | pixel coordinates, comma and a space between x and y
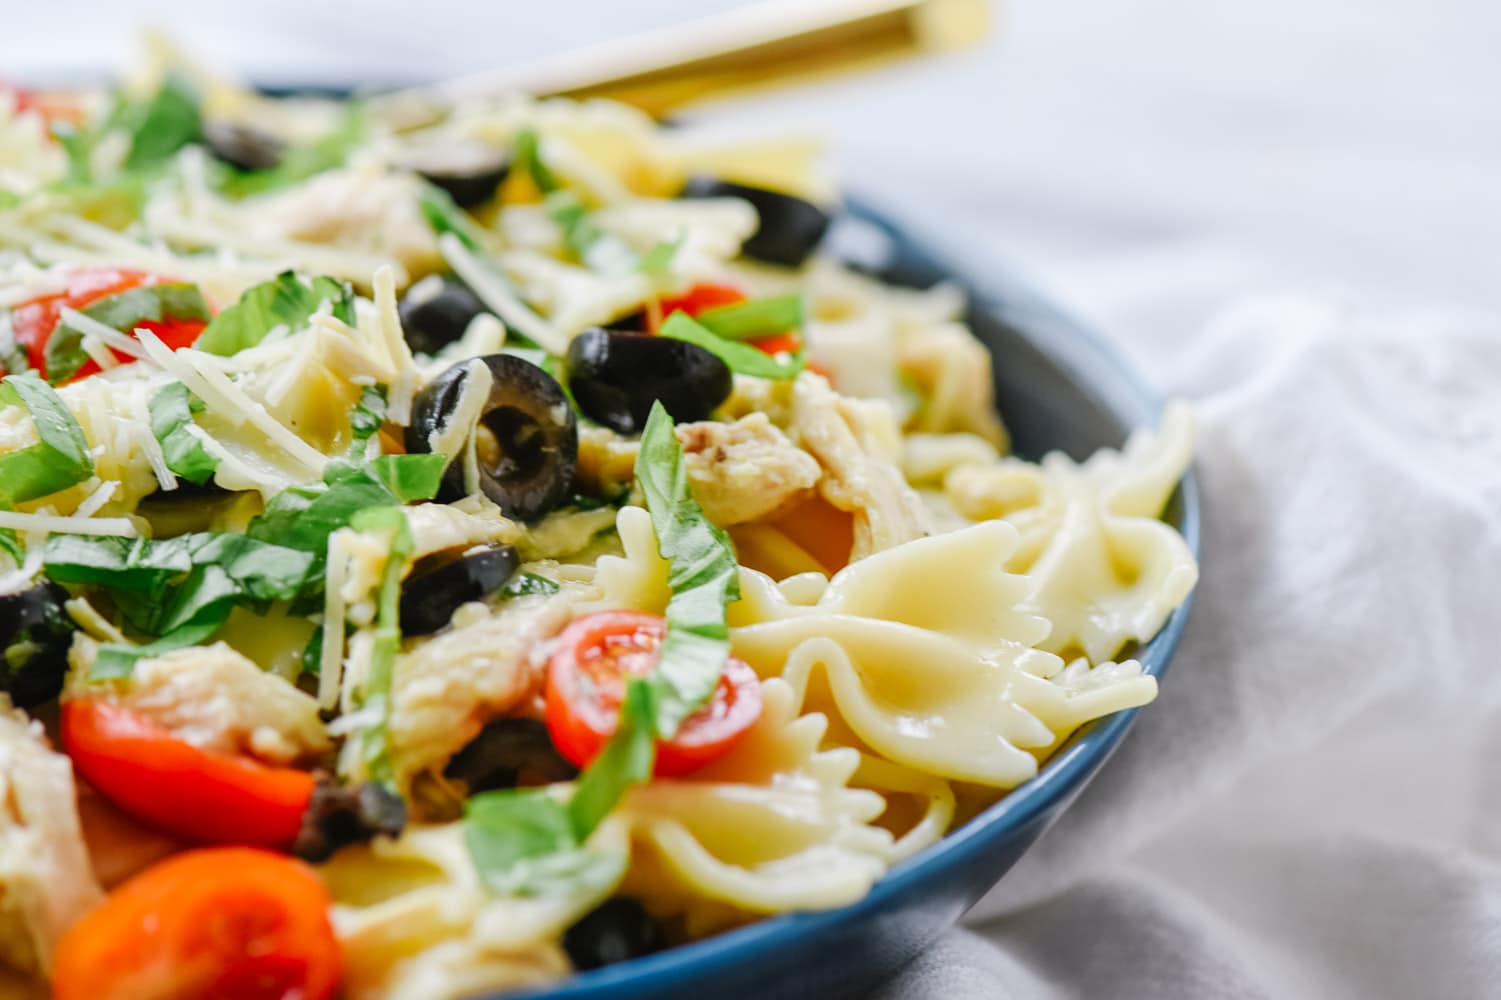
586, 684
34, 322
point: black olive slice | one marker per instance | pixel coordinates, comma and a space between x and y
470, 172
616, 376
243, 146
790, 228
615, 931
433, 591
526, 439
35, 631
435, 312
509, 753
338, 815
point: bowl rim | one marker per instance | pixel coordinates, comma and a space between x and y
1063, 774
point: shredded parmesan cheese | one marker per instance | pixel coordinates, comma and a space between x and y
492, 291
121, 527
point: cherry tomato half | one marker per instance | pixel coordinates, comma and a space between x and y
586, 684
224, 923
210, 798
34, 321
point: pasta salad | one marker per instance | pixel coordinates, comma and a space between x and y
442, 548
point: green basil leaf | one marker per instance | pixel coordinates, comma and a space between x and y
367, 752
58, 460
161, 126
522, 843
595, 248
529, 585
172, 410
754, 317
118, 659
527, 154
703, 575
625, 761
657, 261
410, 477
289, 300
444, 215
369, 414
135, 564
298, 163
741, 358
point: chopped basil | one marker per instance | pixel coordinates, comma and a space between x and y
656, 262
444, 215
161, 125
529, 585
162, 586
367, 753
369, 414
58, 460
742, 358
298, 163
523, 843
595, 248
527, 153
172, 410
289, 300
118, 659
302, 517
755, 317
703, 575
123, 312
625, 761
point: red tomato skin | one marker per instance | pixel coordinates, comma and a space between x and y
224, 923
708, 295
34, 321
585, 686
204, 797
702, 297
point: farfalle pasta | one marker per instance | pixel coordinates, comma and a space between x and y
458, 546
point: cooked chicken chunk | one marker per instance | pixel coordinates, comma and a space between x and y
45, 879
448, 687
858, 445
745, 471
215, 698
741, 471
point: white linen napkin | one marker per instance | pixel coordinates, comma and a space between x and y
1313, 806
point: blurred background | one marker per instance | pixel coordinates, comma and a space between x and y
1144, 161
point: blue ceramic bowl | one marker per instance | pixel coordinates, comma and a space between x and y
1060, 387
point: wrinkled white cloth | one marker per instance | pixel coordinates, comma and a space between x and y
1313, 806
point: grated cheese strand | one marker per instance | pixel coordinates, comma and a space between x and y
492, 291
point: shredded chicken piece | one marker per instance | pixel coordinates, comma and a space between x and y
745, 471
217, 699
951, 369
447, 688
45, 879
858, 445
742, 471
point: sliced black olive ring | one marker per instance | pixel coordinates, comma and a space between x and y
440, 585
242, 146
471, 172
790, 228
436, 311
616, 376
35, 632
526, 438
617, 930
